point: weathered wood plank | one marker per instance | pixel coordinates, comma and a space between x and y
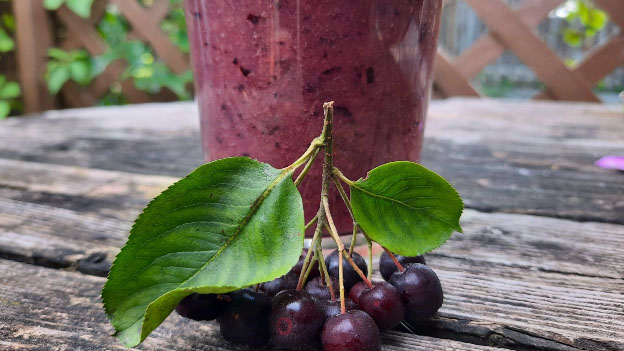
560, 284
112, 194
502, 156
45, 309
529, 158
525, 309
156, 139
68, 200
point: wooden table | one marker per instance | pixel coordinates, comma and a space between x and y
539, 267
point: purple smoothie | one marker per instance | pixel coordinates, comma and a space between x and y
264, 68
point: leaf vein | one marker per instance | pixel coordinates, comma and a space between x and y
404, 204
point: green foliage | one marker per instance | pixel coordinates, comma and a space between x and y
9, 91
175, 26
6, 42
80, 7
7, 27
67, 65
406, 208
229, 224
148, 72
585, 21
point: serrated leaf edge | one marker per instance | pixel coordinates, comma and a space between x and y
285, 172
454, 226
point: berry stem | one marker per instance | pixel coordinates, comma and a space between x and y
307, 166
309, 269
325, 273
342, 177
328, 165
356, 226
343, 309
369, 243
330, 222
342, 192
306, 261
396, 262
353, 238
312, 149
311, 222
357, 270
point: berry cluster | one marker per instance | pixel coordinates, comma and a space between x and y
311, 317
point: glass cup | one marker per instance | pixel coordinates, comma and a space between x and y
263, 69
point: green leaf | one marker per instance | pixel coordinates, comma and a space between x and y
53, 4
80, 72
59, 54
596, 19
8, 20
10, 90
5, 109
572, 37
6, 42
406, 208
229, 224
80, 7
57, 77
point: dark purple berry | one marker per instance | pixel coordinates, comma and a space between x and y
201, 307
383, 304
387, 266
295, 321
350, 275
332, 308
356, 291
317, 288
420, 291
245, 319
352, 331
299, 266
285, 282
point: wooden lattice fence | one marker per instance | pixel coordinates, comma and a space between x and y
509, 29
512, 29
32, 20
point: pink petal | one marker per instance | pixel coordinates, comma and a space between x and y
611, 162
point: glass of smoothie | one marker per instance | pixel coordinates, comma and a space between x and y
263, 69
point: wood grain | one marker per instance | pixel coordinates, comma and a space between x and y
510, 280
502, 156
46, 309
565, 311
86, 205
533, 158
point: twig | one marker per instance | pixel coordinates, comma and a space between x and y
396, 262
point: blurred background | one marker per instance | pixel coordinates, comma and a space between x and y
57, 54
